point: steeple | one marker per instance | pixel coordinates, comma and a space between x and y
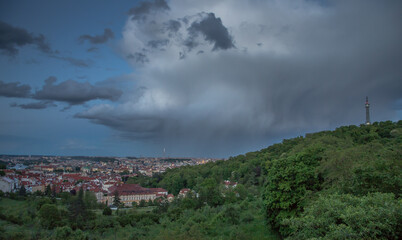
367, 112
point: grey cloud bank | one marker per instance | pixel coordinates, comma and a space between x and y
14, 89
297, 66
74, 92
213, 31
98, 39
69, 91
12, 38
35, 105
209, 78
145, 8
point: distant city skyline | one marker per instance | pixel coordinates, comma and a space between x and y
191, 79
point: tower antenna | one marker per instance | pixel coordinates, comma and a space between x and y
367, 112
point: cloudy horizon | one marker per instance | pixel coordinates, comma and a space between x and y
197, 78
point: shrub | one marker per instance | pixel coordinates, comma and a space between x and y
289, 180
107, 211
49, 216
344, 216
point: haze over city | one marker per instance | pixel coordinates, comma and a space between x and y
196, 78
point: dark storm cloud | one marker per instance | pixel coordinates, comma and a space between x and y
158, 43
144, 8
35, 105
214, 31
173, 25
14, 89
12, 38
98, 39
138, 57
134, 127
311, 73
73, 92
190, 43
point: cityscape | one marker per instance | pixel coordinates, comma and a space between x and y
100, 175
200, 120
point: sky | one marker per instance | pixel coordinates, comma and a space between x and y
211, 78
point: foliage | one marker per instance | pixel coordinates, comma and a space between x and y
78, 213
22, 191
90, 200
48, 191
289, 180
210, 193
50, 216
143, 203
344, 216
350, 160
107, 211
116, 199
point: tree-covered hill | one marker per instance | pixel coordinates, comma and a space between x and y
359, 164
337, 184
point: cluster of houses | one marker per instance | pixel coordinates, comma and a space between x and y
105, 165
103, 179
129, 193
104, 187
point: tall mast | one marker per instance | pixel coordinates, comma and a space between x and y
367, 112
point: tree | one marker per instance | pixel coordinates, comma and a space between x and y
107, 211
143, 203
64, 232
78, 212
42, 201
209, 192
344, 216
90, 200
22, 191
241, 191
289, 179
49, 216
48, 191
231, 214
116, 199
54, 191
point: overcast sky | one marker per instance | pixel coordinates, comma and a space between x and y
199, 78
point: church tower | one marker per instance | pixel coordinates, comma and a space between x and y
367, 112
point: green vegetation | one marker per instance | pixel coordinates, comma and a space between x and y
343, 216
327, 180
341, 184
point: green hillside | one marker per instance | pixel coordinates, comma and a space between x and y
357, 168
341, 184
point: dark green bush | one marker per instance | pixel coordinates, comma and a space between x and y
289, 180
344, 216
